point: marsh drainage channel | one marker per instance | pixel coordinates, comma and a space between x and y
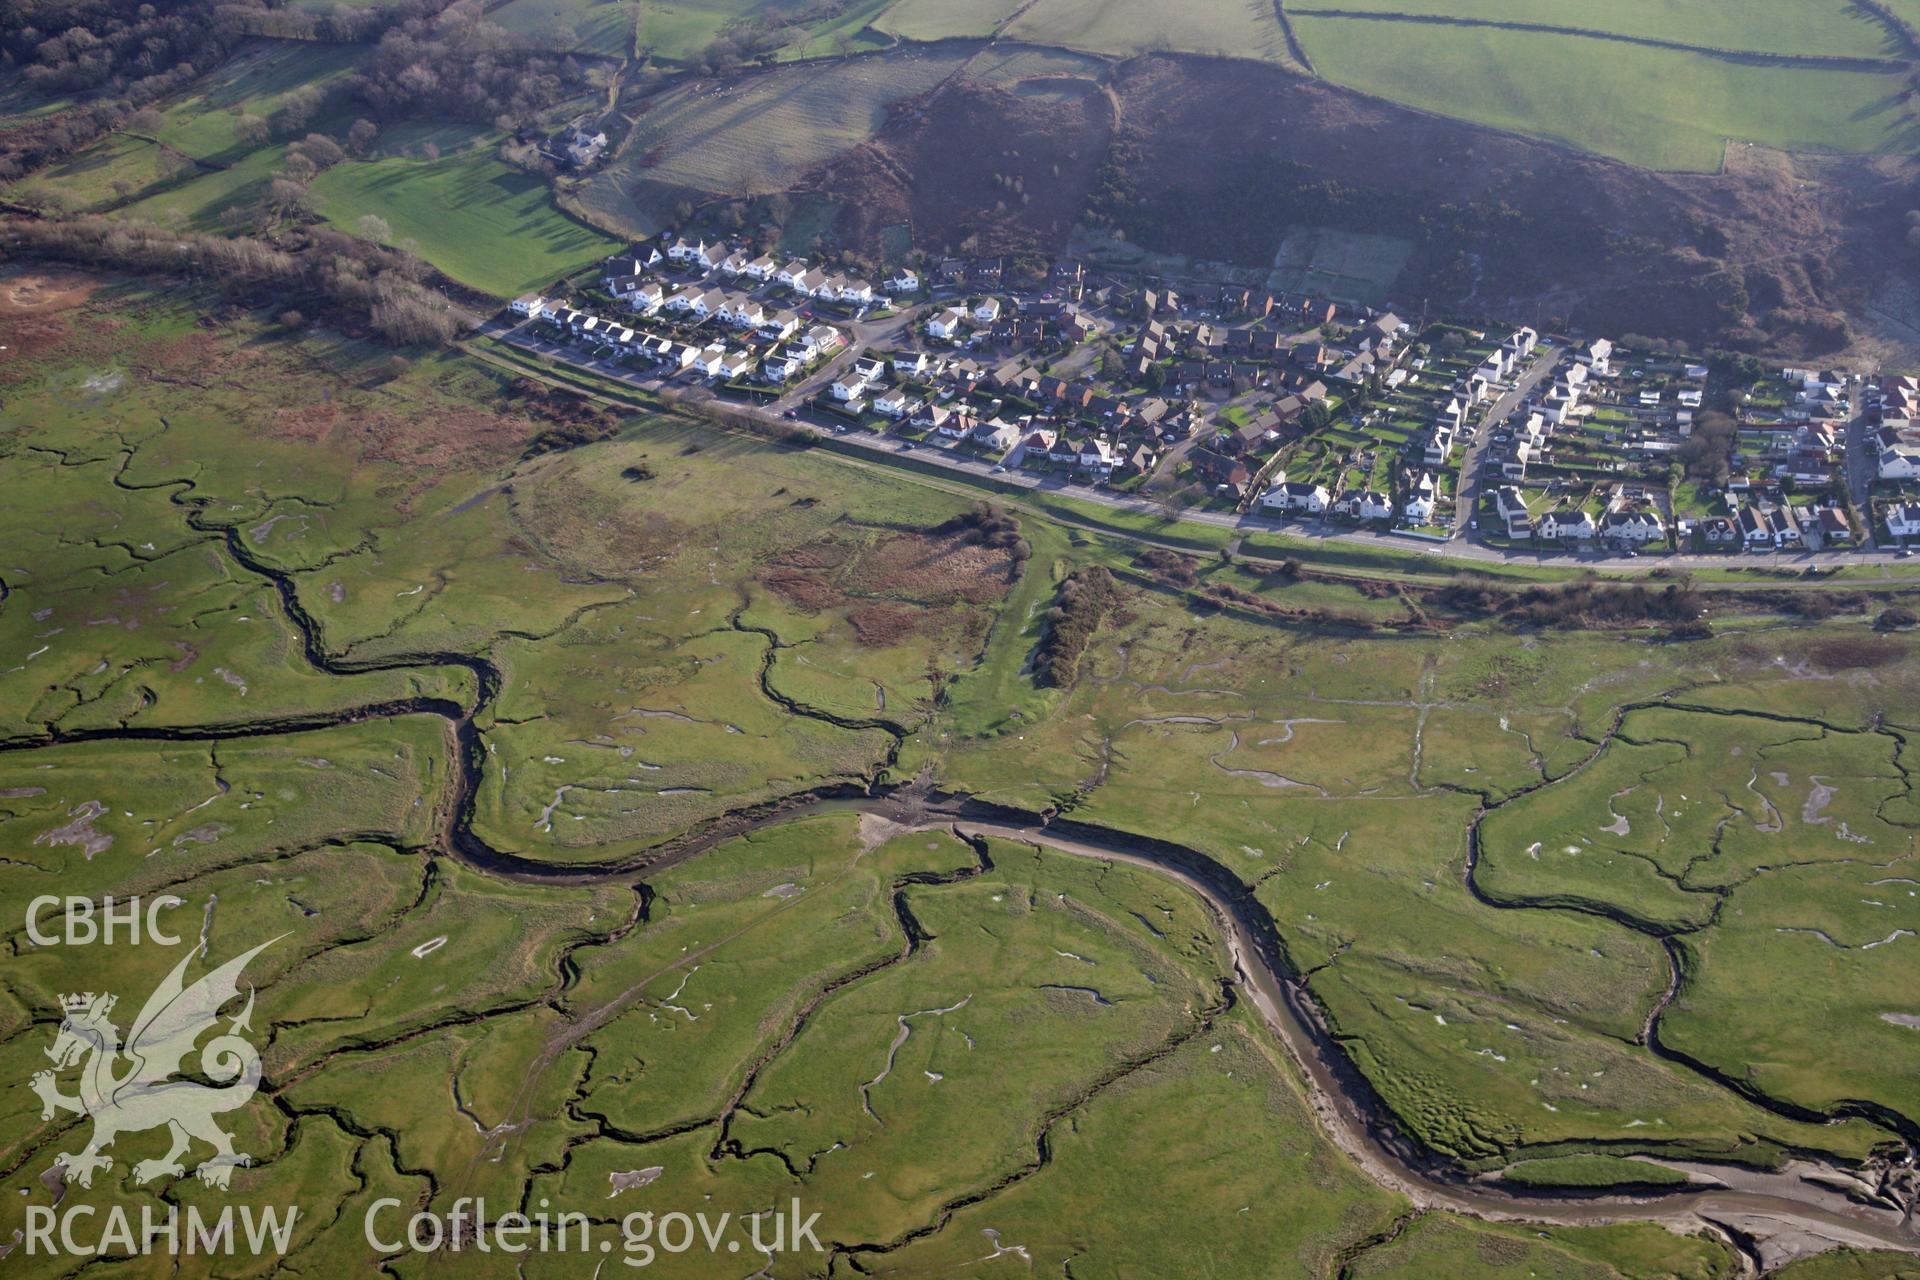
1769, 1217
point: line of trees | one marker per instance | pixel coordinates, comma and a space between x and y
457, 65
330, 272
116, 57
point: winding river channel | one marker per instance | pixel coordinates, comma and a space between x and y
1769, 1217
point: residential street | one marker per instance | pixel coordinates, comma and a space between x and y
885, 449
1860, 472
1470, 485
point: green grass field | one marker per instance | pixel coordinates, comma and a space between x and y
603, 27
198, 202
1656, 108
681, 30
483, 223
256, 82
945, 19
1822, 27
1227, 28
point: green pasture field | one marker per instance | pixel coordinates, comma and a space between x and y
1223, 28
197, 204
1657, 108
1826, 27
485, 224
255, 82
19, 102
945, 19
603, 27
850, 32
95, 178
681, 30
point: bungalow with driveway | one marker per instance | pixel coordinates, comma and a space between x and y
1637, 527
1038, 445
1221, 471
531, 305
1756, 532
894, 404
996, 436
1364, 504
1297, 495
905, 280
1566, 525
704, 253
1422, 490
986, 311
779, 326
1097, 454
1719, 532
642, 295
743, 312
1899, 457
1903, 520
946, 326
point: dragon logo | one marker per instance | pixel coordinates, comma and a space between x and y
131, 1087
